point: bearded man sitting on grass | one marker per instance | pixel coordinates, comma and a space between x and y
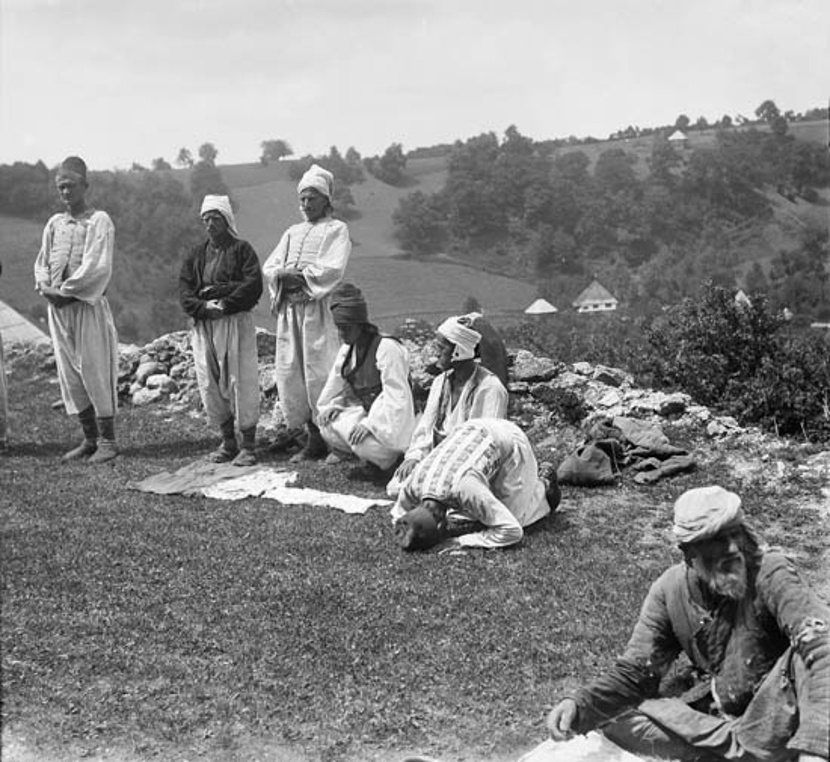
755, 634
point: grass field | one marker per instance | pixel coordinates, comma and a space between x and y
19, 245
140, 627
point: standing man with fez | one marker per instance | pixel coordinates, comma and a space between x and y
72, 273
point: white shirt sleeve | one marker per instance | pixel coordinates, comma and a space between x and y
391, 418
327, 271
89, 282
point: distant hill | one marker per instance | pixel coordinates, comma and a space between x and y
811, 132
399, 286
266, 201
743, 239
396, 286
19, 245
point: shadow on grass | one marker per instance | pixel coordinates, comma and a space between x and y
195, 449
39, 449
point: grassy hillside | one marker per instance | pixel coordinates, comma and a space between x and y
19, 244
812, 132
266, 202
397, 287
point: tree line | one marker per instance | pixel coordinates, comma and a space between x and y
156, 216
653, 234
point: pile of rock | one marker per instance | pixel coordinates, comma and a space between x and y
555, 403
550, 399
163, 371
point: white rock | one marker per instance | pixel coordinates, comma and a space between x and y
161, 381
147, 396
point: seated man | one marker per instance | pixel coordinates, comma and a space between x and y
484, 472
755, 633
366, 406
491, 350
464, 389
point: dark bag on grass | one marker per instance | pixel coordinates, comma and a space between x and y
587, 466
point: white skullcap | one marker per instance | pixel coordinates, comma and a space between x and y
221, 204
465, 338
318, 178
701, 513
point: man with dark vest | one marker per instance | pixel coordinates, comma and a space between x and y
366, 406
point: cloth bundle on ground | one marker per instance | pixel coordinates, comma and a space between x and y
614, 444
587, 466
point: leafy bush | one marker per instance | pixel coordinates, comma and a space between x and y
740, 359
710, 344
608, 339
790, 394
737, 357
420, 224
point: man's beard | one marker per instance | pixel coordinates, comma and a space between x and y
727, 577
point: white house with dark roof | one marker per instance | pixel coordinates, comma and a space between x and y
595, 298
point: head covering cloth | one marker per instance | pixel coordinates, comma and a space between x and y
348, 306
465, 339
699, 514
73, 165
221, 204
318, 178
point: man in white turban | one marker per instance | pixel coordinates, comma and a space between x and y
305, 267
464, 389
220, 282
755, 634
72, 272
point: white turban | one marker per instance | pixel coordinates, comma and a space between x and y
465, 338
221, 204
318, 178
699, 514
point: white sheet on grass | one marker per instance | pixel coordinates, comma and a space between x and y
224, 481
253, 484
345, 503
592, 747
275, 485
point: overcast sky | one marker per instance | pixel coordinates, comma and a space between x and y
119, 81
